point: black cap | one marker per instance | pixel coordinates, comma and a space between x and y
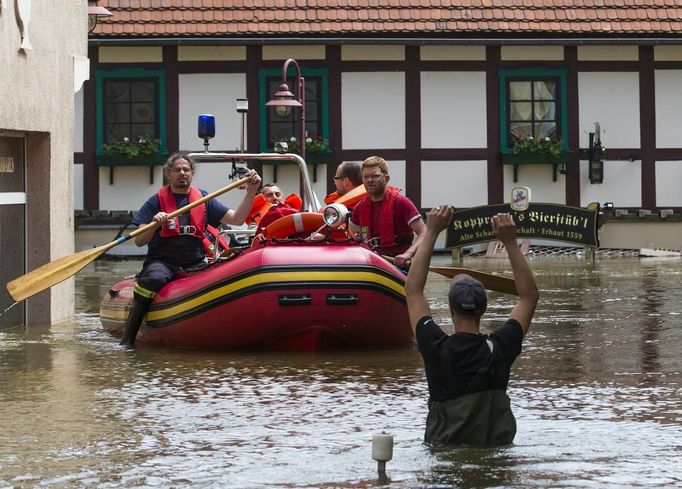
467, 295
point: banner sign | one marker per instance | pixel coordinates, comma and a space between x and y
538, 220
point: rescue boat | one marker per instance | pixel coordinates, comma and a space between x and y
281, 292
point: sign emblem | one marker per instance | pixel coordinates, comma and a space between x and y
520, 198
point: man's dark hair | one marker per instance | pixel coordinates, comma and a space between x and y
178, 155
351, 170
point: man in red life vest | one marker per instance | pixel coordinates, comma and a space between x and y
280, 206
384, 219
348, 176
177, 244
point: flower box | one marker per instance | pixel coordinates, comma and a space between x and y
318, 157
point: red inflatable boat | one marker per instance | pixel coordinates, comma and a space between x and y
284, 292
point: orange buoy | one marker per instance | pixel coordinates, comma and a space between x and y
301, 222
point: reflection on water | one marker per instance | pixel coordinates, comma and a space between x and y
596, 393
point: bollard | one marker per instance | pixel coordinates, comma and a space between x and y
382, 451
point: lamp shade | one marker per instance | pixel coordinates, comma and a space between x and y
283, 97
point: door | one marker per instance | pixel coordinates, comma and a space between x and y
12, 225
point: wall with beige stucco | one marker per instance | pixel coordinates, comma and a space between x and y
37, 100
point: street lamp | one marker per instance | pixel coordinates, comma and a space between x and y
94, 12
242, 108
284, 99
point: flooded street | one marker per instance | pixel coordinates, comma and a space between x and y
597, 394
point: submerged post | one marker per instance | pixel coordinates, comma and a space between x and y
382, 452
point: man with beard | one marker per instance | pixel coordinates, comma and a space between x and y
387, 221
176, 244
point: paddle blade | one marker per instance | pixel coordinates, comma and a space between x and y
52, 273
489, 281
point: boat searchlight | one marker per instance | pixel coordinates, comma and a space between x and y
335, 215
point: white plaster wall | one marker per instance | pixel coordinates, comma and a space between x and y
622, 184
373, 110
130, 54
37, 98
608, 53
532, 53
78, 197
612, 99
131, 187
288, 179
211, 53
539, 179
441, 53
668, 109
78, 122
667, 53
297, 52
396, 170
355, 52
669, 183
453, 109
211, 93
460, 183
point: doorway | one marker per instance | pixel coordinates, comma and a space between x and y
12, 224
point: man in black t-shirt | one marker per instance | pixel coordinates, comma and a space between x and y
468, 372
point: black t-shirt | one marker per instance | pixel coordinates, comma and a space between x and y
183, 251
463, 363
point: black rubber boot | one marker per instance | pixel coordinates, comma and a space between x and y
135, 317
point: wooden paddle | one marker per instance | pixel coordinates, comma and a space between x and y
489, 280
62, 268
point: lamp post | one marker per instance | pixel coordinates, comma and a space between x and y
94, 12
285, 99
242, 108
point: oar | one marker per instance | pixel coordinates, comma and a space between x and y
62, 268
489, 280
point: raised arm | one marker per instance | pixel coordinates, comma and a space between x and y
417, 305
505, 231
239, 215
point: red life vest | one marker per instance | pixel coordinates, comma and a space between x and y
274, 213
329, 199
197, 215
386, 231
294, 201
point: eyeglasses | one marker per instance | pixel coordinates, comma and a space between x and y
339, 178
182, 170
373, 177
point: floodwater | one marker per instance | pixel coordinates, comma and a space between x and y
597, 395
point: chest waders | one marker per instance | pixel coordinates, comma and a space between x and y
481, 417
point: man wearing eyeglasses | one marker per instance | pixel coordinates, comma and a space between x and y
177, 244
384, 219
348, 176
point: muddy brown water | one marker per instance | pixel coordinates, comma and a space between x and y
597, 395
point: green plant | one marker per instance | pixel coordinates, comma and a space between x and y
532, 145
142, 144
313, 144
